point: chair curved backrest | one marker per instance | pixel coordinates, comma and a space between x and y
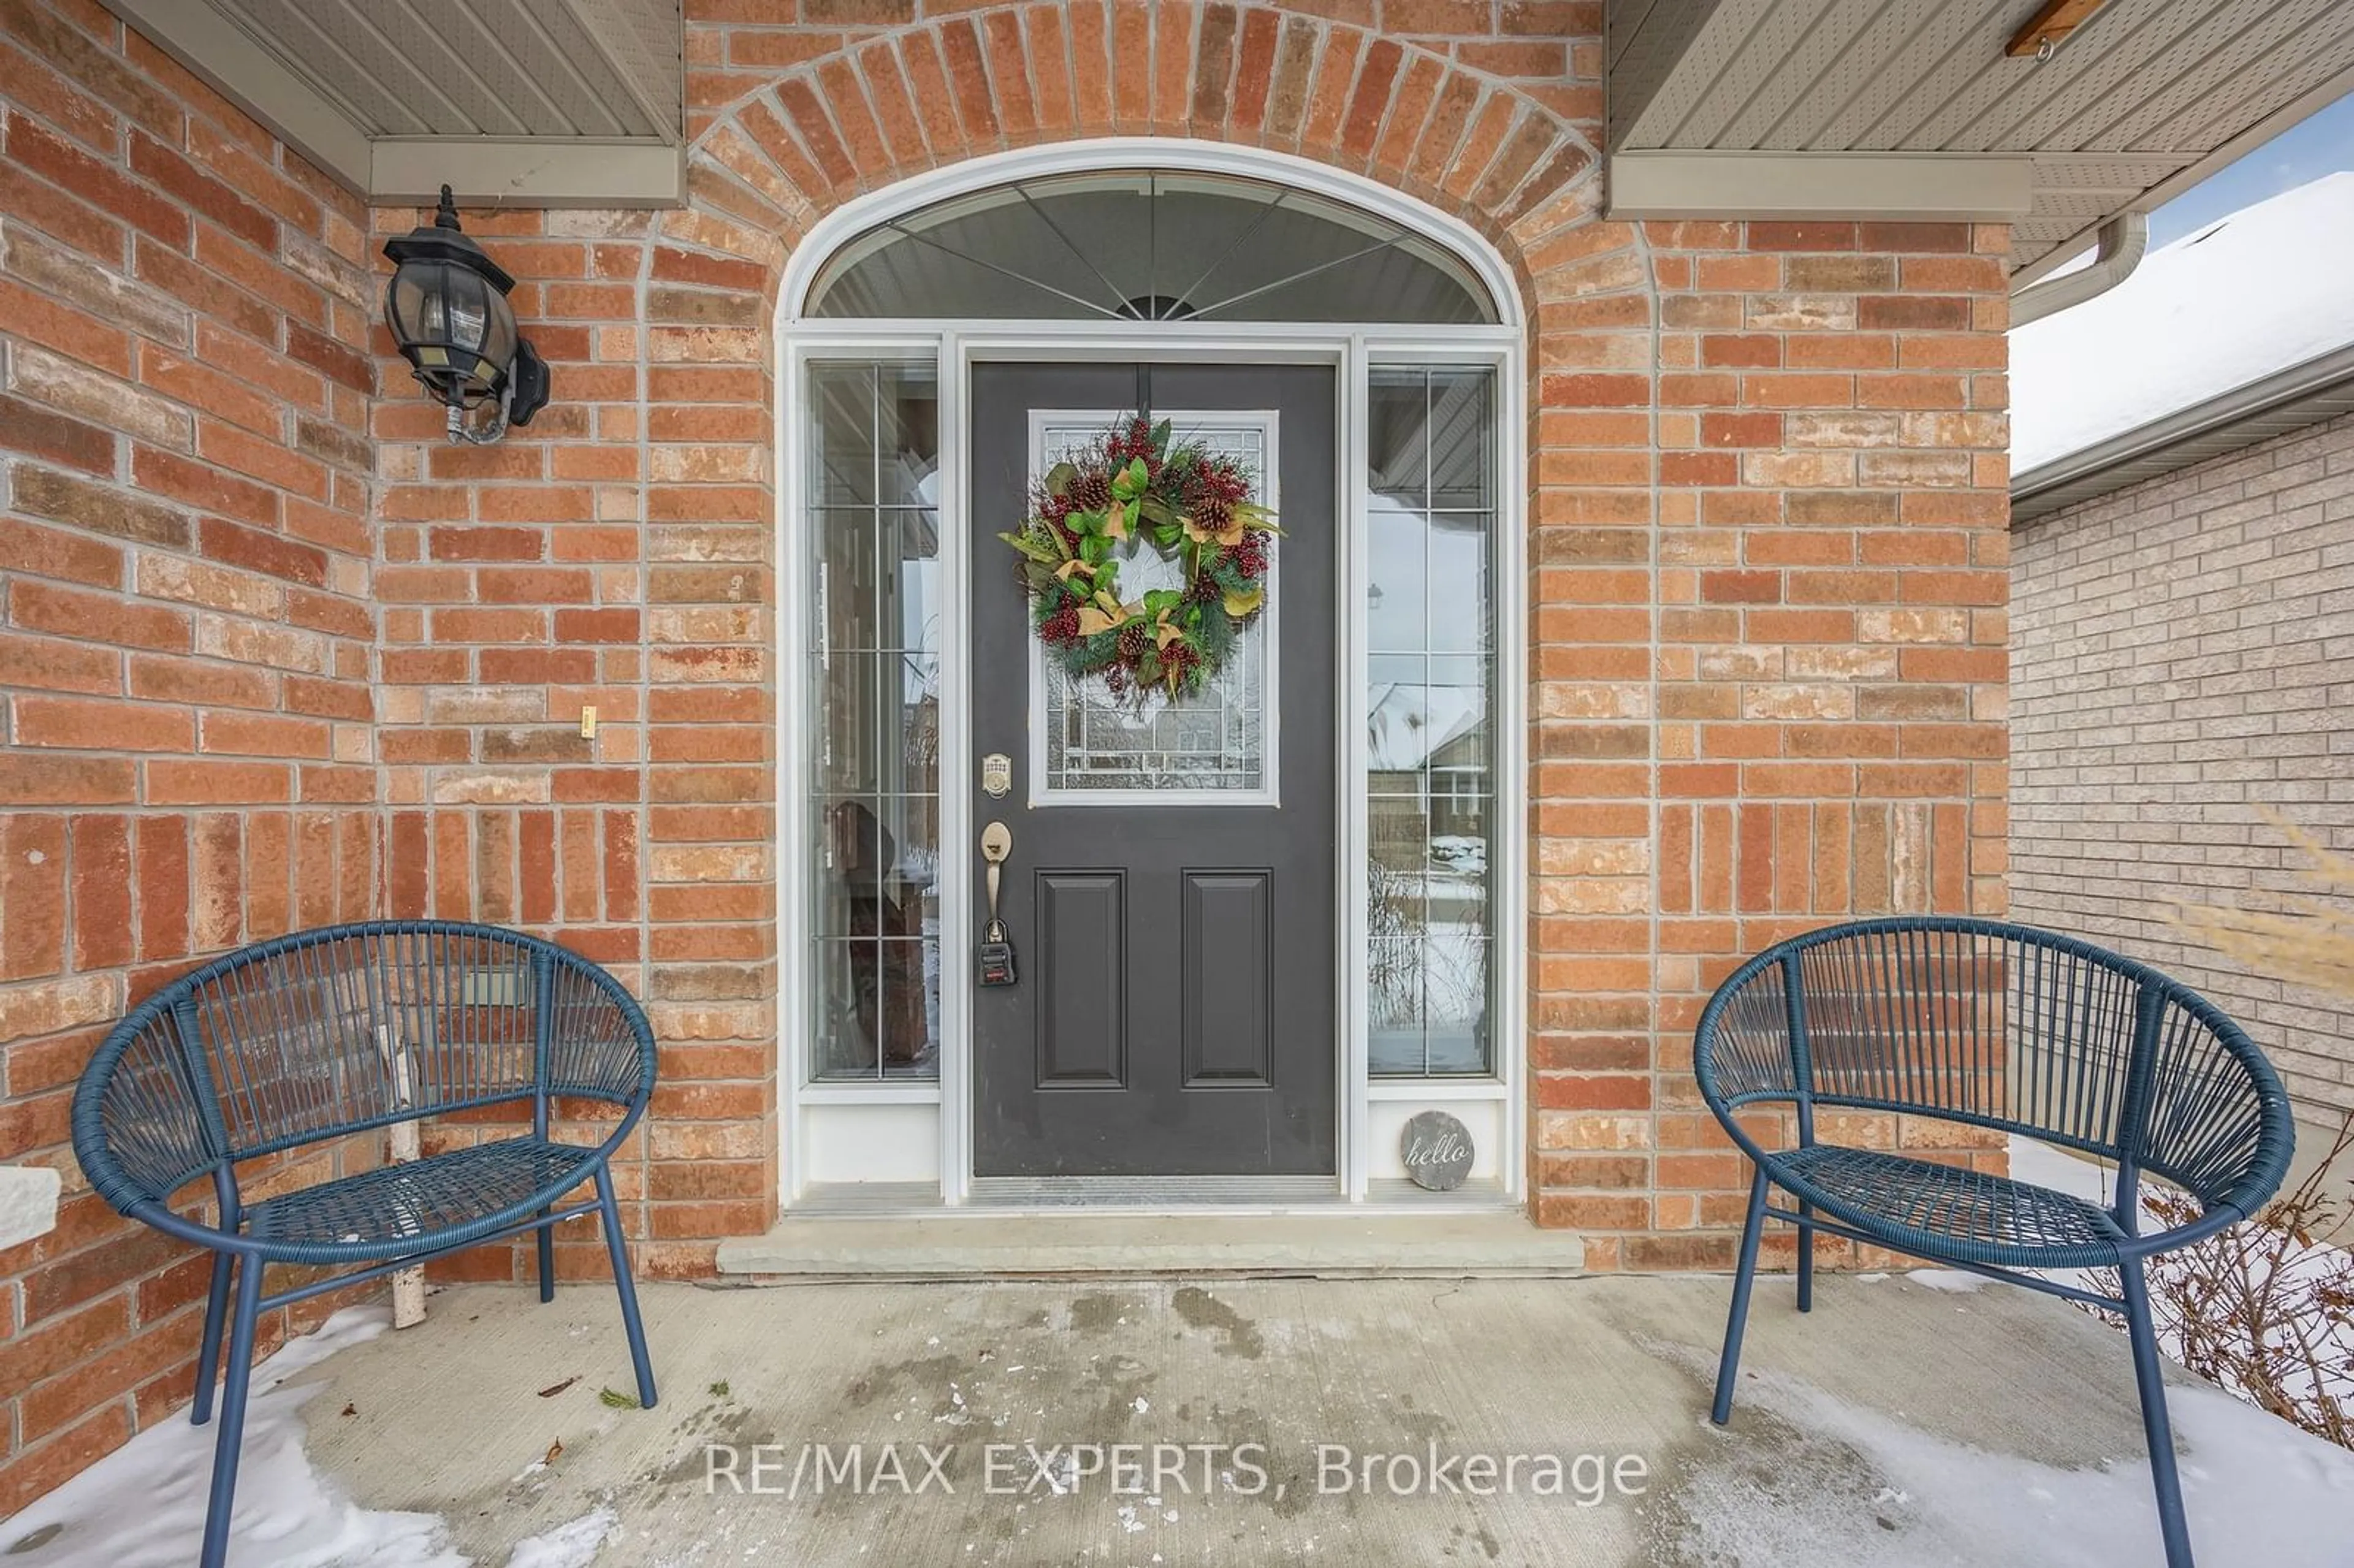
2007, 1027
344, 1028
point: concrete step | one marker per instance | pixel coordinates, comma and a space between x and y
1449, 1244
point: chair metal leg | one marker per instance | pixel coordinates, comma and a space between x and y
2148, 1360
232, 1416
546, 1259
611, 1215
1728, 1365
208, 1352
1806, 1262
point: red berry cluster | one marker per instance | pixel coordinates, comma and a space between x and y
1061, 630
1220, 480
1121, 448
1250, 556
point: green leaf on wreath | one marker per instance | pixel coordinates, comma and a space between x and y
1032, 547
1239, 605
1160, 435
1059, 477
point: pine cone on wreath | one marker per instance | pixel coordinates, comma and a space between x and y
1089, 492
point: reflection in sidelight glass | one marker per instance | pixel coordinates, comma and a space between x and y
872, 461
1430, 534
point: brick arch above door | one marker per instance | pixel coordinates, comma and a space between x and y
790, 146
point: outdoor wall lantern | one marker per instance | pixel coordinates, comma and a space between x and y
447, 307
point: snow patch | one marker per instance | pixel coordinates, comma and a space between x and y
1952, 1281
142, 1506
573, 1544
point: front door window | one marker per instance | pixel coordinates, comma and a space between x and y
1092, 746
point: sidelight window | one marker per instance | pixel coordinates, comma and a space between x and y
1430, 779
873, 495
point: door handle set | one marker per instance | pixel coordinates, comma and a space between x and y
996, 949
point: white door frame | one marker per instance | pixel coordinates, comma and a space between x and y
955, 347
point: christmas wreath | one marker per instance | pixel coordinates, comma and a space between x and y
1132, 488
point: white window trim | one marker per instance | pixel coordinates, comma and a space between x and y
955, 346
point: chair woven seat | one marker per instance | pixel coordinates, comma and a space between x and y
382, 1209
1964, 1215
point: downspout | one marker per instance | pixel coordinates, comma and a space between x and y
2123, 240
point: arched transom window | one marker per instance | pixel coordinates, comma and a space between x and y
1148, 245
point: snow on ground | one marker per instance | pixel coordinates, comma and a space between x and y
570, 1545
1952, 1281
2260, 1494
2242, 299
142, 1506
2299, 1261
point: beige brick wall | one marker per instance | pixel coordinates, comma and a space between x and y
2183, 656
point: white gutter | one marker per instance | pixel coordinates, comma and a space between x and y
2123, 240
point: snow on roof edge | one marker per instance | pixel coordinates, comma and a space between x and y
2258, 293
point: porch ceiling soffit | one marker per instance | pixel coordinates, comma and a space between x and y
513, 102
1742, 100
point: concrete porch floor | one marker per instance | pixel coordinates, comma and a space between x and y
1901, 1423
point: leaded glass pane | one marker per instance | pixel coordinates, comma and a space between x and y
1430, 782
1212, 740
873, 457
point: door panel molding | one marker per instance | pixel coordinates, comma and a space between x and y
1082, 962
1229, 981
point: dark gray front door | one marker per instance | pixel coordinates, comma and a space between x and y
1175, 1008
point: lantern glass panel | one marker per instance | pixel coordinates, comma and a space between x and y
449, 307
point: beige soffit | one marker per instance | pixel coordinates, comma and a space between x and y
2144, 99
516, 102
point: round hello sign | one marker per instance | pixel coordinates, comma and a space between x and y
1436, 1150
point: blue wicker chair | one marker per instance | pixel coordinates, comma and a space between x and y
2007, 1028
338, 1031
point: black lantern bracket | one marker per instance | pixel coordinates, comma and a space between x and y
448, 312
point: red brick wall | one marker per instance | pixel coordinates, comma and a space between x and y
185, 629
1766, 547
1807, 504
